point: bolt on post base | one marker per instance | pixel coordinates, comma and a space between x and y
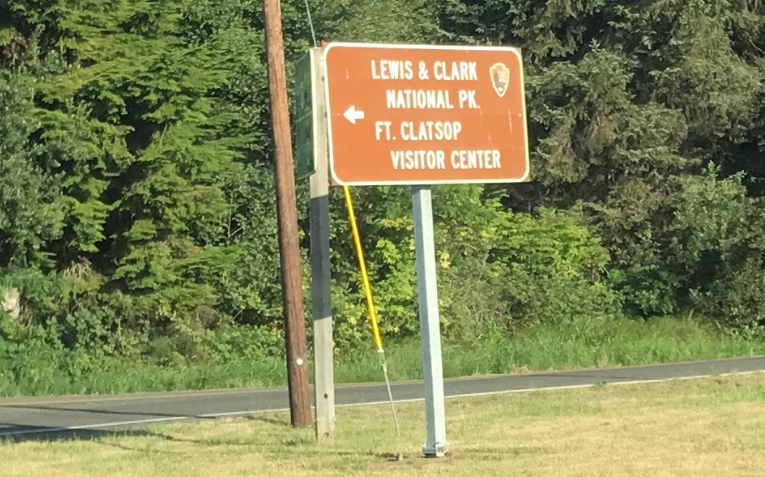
438, 450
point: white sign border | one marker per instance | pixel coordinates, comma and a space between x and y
514, 50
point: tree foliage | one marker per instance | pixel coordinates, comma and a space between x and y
136, 165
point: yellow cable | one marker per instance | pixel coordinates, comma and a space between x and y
370, 300
363, 267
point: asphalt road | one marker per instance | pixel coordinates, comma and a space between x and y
46, 417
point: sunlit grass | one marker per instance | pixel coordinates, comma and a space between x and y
700, 428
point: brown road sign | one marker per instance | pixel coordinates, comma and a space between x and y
410, 114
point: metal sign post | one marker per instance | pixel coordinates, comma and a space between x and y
321, 286
427, 292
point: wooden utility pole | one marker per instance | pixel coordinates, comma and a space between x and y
289, 247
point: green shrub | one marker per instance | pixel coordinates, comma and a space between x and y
737, 298
550, 267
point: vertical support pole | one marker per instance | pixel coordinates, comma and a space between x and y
286, 205
427, 291
321, 290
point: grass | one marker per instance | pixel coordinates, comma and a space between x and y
699, 428
565, 346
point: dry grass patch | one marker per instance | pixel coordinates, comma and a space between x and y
697, 428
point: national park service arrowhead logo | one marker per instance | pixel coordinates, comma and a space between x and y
500, 78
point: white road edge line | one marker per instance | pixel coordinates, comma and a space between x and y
361, 404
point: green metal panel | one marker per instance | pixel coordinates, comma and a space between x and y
303, 120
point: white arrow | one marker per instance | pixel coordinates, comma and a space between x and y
352, 114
